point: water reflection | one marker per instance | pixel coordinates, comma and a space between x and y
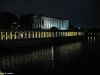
66, 55
42, 57
45, 58
91, 41
68, 48
52, 50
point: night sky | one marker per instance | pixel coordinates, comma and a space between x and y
84, 13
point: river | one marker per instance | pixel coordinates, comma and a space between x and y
70, 57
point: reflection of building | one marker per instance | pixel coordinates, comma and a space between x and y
41, 56
41, 22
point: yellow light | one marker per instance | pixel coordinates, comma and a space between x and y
15, 36
11, 35
71, 33
35, 34
21, 35
6, 35
62, 34
66, 34
32, 34
52, 34
2, 35
44, 34
79, 33
59, 34
39, 34
49, 34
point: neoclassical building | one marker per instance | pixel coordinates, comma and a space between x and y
44, 23
60, 24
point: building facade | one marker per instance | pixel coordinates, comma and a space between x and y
60, 24
44, 23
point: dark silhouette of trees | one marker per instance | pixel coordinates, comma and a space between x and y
7, 20
26, 21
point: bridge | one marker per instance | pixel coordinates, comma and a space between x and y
29, 34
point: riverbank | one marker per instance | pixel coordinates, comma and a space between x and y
38, 42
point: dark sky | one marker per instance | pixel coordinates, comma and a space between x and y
83, 13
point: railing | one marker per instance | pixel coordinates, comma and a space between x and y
17, 35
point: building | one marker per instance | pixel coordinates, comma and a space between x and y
43, 23
60, 24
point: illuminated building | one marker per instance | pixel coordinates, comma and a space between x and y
43, 23
53, 22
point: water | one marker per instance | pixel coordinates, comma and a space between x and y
74, 57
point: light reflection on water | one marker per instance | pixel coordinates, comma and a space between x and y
68, 48
44, 58
91, 41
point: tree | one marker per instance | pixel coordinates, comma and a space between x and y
6, 20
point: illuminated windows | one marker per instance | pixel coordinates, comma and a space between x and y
2, 36
17, 35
